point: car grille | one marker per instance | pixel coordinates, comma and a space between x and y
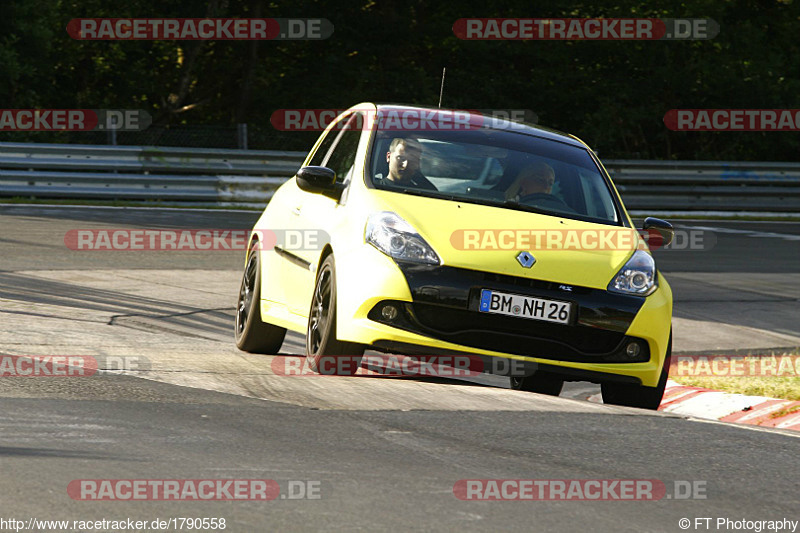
515, 335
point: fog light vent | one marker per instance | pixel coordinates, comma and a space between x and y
389, 312
632, 350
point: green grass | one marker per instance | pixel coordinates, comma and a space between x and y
786, 386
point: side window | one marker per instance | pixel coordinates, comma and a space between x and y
324, 147
343, 158
597, 205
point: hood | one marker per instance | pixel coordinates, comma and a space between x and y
489, 239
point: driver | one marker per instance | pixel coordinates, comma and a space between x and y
404, 158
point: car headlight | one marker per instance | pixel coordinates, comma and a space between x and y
395, 237
638, 276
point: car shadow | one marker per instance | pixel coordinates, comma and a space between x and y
399, 367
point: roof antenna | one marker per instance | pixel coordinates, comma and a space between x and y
441, 91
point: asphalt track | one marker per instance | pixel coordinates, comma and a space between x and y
385, 452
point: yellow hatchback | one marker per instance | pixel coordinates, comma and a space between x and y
429, 232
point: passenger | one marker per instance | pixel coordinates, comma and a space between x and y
532, 181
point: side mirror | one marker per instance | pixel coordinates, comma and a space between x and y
659, 232
316, 179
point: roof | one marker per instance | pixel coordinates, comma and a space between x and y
496, 123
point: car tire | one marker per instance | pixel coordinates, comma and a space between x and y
324, 352
253, 334
640, 396
540, 382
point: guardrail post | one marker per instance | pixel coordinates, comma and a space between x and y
241, 130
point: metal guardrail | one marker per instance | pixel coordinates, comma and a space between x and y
143, 173
707, 185
250, 176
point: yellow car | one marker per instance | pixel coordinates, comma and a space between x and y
424, 231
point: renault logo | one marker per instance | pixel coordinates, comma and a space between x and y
525, 259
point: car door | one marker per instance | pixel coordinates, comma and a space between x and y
313, 216
281, 268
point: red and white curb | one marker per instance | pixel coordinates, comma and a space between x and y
728, 407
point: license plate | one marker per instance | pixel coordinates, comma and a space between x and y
502, 303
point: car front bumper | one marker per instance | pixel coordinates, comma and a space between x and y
438, 314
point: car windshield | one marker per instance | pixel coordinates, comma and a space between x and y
494, 167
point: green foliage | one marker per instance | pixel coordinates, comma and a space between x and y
612, 94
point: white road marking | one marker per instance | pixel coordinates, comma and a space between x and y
749, 233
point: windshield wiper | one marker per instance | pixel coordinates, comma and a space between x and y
427, 193
513, 204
